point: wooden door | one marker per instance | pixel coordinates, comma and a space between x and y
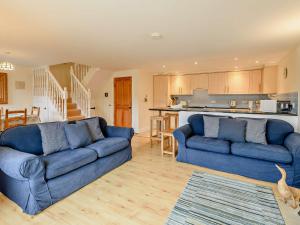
123, 101
3, 88
255, 82
238, 82
217, 83
161, 90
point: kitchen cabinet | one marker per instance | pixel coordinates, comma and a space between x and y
217, 83
255, 86
238, 82
161, 90
198, 81
269, 80
181, 85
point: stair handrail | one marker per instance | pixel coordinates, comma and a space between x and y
80, 94
45, 84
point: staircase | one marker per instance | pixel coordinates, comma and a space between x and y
59, 103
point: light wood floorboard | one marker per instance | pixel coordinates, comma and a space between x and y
142, 191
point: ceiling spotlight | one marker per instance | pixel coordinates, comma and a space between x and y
236, 67
163, 66
196, 63
256, 61
236, 58
156, 36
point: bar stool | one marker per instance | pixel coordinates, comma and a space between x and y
168, 143
174, 116
162, 123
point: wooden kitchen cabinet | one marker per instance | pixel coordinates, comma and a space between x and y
198, 81
161, 90
269, 80
238, 82
217, 83
181, 85
255, 86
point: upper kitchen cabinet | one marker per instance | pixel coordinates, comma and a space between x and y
238, 82
217, 83
181, 85
198, 81
255, 86
161, 90
269, 78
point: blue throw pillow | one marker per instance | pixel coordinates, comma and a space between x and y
78, 135
232, 130
94, 128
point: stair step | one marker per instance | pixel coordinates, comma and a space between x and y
73, 118
74, 112
71, 106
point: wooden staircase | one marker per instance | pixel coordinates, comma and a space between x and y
73, 113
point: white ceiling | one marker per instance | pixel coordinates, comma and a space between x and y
115, 34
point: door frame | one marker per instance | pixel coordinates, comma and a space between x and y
115, 96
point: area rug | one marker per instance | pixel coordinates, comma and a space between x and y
211, 199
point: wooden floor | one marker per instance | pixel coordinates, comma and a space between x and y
142, 191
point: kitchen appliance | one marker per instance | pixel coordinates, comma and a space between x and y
284, 107
233, 103
268, 106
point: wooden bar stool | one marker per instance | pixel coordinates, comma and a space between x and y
174, 116
168, 143
162, 123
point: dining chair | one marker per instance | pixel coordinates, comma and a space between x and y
34, 117
15, 118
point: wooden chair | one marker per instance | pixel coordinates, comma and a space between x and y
15, 118
174, 116
162, 123
168, 143
34, 117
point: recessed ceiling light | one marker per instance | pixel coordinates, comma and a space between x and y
256, 61
196, 63
236, 67
163, 66
236, 58
156, 35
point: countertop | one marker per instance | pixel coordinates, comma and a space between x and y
221, 110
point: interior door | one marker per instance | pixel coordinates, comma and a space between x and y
123, 101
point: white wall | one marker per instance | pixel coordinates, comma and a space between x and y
292, 82
19, 98
142, 85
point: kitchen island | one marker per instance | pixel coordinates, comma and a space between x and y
184, 114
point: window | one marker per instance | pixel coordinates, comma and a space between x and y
3, 88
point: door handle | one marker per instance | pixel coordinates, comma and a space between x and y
129, 107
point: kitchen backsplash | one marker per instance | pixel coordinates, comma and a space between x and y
201, 98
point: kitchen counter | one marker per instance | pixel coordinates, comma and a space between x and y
220, 110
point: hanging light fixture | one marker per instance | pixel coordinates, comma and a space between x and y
6, 66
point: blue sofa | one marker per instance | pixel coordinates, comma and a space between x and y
247, 159
35, 181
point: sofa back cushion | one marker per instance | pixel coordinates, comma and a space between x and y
23, 138
233, 130
93, 125
197, 123
277, 131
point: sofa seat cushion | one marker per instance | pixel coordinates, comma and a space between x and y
63, 162
108, 146
273, 153
208, 144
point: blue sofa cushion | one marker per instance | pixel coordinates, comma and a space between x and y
78, 135
232, 130
273, 153
23, 138
94, 127
197, 123
277, 131
208, 144
108, 146
63, 162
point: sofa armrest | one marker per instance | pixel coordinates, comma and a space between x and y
124, 132
183, 133
292, 143
20, 165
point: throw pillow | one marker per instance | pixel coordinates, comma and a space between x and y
53, 137
78, 135
256, 130
232, 130
94, 127
211, 126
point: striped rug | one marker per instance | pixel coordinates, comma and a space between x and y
211, 199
